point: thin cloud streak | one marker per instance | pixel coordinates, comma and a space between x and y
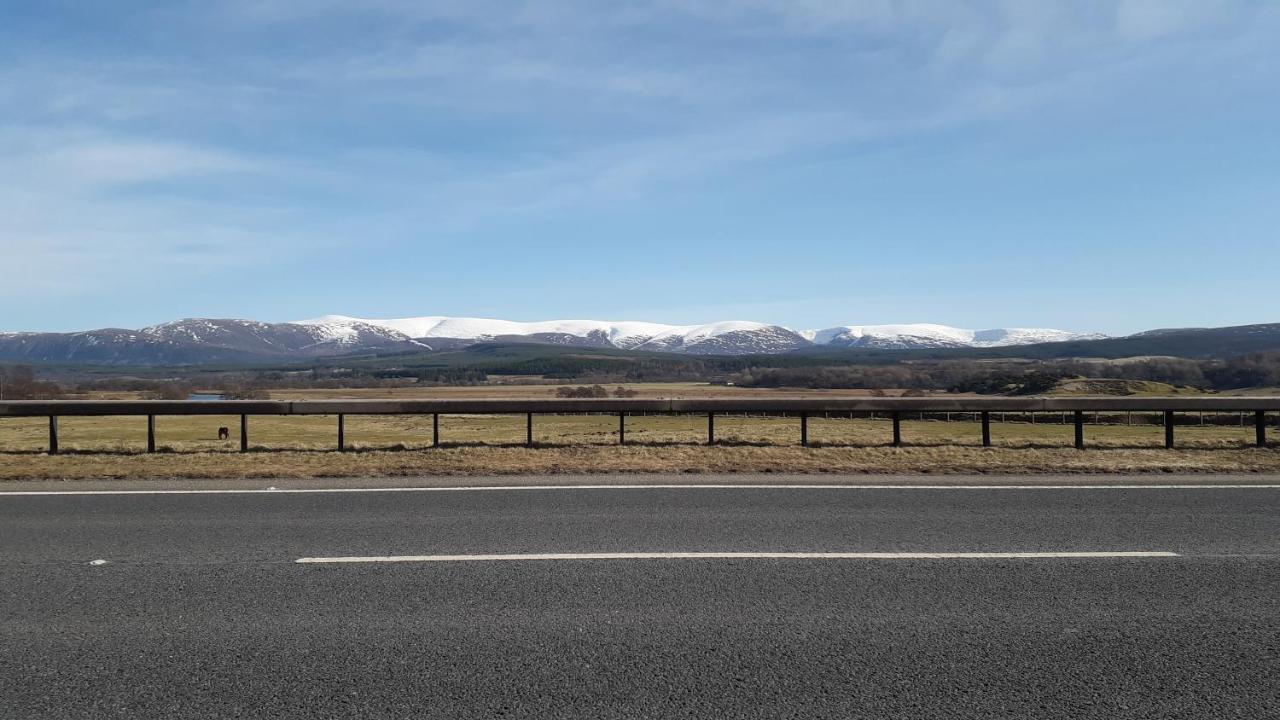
398, 127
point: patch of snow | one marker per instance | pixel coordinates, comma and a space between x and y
696, 333
918, 331
335, 332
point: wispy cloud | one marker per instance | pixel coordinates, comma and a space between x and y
231, 133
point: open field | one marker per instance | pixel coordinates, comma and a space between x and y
479, 444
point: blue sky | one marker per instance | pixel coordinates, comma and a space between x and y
1110, 166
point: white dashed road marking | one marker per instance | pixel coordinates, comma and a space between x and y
734, 556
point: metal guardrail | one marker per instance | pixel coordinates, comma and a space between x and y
801, 407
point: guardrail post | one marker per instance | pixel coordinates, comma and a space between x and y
342, 440
244, 433
897, 429
1168, 428
1260, 428
53, 434
622, 428
804, 429
151, 433
1079, 422
435, 429
528, 430
711, 428
986, 429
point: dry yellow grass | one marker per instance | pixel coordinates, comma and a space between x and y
637, 459
303, 446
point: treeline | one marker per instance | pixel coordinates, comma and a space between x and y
19, 382
1008, 377
1253, 370
619, 369
240, 387
954, 377
594, 391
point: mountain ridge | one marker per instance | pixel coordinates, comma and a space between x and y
196, 341
205, 341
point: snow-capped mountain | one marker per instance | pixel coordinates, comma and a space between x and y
731, 337
722, 338
288, 338
620, 334
198, 340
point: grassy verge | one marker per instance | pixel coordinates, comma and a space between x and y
400, 445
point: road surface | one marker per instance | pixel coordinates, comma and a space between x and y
195, 604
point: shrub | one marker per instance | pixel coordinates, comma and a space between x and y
582, 391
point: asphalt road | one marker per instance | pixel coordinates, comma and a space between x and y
201, 609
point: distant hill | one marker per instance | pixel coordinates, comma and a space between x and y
201, 342
1184, 343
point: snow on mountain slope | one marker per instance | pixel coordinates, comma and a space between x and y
734, 337
1028, 336
925, 335
913, 335
731, 337
195, 341
316, 338
621, 334
356, 332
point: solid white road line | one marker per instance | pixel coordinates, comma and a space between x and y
506, 488
732, 556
